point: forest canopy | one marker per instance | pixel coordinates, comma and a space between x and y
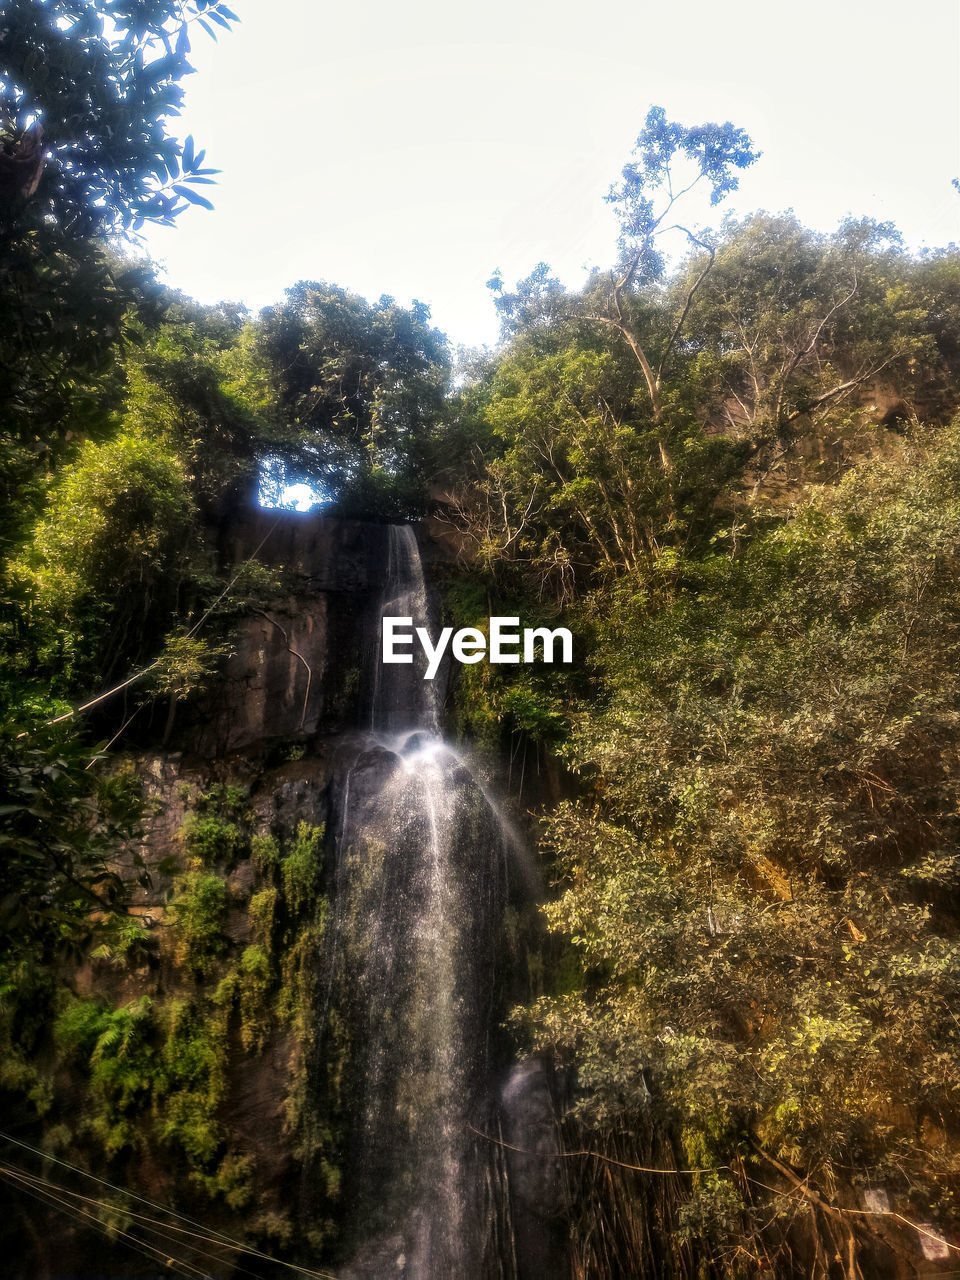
736, 477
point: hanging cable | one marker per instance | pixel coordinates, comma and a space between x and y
139, 1246
219, 1236
138, 675
160, 1229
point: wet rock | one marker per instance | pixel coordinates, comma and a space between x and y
240, 882
535, 1172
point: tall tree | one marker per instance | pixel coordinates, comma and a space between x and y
360, 391
760, 875
653, 472
89, 93
670, 160
791, 328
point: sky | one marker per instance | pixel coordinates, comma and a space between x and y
413, 148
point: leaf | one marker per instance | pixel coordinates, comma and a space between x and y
162, 68
192, 196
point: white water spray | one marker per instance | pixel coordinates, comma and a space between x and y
420, 891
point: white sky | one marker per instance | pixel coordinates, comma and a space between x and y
411, 148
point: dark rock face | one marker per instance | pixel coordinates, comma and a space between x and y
296, 665
259, 1079
331, 554
298, 793
309, 663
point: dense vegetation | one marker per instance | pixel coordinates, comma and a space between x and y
740, 481
737, 478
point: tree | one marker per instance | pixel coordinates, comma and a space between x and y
645, 200
605, 466
62, 825
573, 484
104, 572
88, 93
359, 389
755, 870
197, 380
643, 414
760, 872
790, 327
935, 283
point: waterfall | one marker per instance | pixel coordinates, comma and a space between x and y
402, 700
420, 892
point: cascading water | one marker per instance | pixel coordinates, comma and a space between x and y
421, 886
401, 699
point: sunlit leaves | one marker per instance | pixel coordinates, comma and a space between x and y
759, 877
104, 82
651, 184
118, 520
359, 387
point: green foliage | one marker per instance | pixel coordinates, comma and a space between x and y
253, 585
265, 852
118, 518
713, 155
64, 317
185, 666
536, 708
152, 1076
197, 381
636, 420
579, 481
62, 823
494, 703
263, 912
154, 1070
198, 910
114, 1046
215, 831
125, 940
751, 875
359, 388
107, 560
255, 981
88, 93
88, 88
788, 324
194, 1082
271, 984
208, 839
300, 868
233, 1179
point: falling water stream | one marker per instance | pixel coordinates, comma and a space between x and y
421, 886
